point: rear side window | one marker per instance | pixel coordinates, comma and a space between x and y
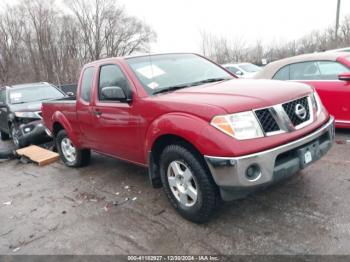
282, 74
86, 83
305, 71
111, 75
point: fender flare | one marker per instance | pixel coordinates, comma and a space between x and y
59, 117
185, 126
181, 125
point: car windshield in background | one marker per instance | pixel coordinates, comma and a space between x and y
250, 68
34, 94
159, 73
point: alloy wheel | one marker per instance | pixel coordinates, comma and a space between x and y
182, 183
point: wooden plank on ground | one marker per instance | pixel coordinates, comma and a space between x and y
39, 155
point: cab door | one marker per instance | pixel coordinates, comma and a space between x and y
116, 123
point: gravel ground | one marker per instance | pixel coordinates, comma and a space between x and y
110, 208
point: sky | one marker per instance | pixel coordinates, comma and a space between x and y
178, 22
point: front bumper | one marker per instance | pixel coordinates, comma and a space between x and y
33, 133
230, 173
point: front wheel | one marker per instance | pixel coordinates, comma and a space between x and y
15, 135
188, 184
70, 155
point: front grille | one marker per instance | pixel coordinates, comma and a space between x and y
290, 109
267, 121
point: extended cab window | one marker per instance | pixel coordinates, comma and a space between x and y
111, 75
86, 83
282, 74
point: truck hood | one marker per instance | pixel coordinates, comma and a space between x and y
238, 95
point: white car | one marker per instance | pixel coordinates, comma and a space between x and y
243, 70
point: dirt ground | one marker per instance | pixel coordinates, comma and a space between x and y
110, 208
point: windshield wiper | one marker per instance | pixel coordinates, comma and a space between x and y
171, 88
210, 80
197, 83
45, 99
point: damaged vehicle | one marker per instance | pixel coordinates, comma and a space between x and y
203, 135
20, 112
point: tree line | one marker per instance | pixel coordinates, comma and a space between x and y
43, 41
232, 50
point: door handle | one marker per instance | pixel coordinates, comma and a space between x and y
97, 112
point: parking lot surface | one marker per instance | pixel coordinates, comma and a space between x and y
109, 207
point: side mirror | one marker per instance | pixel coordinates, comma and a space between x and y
70, 94
239, 73
114, 93
344, 76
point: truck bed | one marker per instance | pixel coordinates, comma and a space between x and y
66, 107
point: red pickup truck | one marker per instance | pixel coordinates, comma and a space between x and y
203, 135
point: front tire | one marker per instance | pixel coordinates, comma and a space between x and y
16, 137
188, 184
70, 155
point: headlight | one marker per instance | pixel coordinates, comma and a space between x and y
240, 126
316, 103
26, 115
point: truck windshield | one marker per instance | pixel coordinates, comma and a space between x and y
34, 94
168, 72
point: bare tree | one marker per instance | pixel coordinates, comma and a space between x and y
221, 49
107, 30
40, 42
225, 49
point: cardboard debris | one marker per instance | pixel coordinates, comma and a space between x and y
38, 155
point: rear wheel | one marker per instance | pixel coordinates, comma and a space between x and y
188, 184
4, 136
70, 155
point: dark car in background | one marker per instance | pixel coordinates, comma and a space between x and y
69, 89
20, 112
